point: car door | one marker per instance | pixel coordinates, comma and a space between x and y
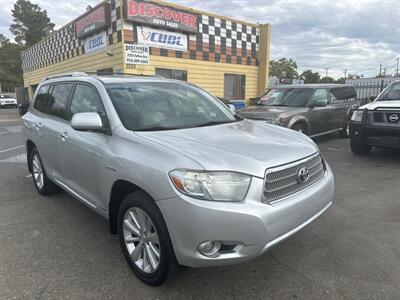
50, 127
320, 112
82, 152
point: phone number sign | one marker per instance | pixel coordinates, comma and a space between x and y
137, 55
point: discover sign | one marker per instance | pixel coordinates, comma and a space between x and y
159, 15
162, 39
137, 55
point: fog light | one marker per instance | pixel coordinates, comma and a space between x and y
209, 248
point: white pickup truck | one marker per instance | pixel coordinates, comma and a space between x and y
377, 124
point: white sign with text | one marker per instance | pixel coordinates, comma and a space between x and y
137, 55
162, 38
96, 42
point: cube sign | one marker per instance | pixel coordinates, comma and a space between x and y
94, 21
145, 12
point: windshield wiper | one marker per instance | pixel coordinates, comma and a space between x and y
211, 123
158, 128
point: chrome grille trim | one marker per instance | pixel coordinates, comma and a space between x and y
281, 181
384, 117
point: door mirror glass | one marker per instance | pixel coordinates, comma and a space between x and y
232, 107
87, 122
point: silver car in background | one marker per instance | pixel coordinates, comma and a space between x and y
181, 178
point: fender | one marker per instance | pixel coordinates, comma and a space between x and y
299, 118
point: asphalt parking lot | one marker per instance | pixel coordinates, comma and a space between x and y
56, 248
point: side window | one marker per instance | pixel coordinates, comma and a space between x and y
342, 95
58, 100
320, 97
40, 103
86, 99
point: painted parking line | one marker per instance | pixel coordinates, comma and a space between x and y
10, 149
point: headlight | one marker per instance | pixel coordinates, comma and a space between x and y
357, 116
214, 186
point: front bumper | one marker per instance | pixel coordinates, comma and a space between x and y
251, 226
373, 135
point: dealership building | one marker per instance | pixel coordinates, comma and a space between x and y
227, 57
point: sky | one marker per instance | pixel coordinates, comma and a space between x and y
357, 35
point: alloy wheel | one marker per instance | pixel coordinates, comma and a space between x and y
37, 171
141, 240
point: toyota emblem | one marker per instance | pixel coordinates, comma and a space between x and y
303, 175
394, 118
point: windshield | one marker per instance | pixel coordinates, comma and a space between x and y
393, 93
165, 106
294, 97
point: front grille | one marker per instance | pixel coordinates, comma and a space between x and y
283, 181
384, 117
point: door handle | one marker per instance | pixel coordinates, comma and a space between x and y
38, 125
64, 137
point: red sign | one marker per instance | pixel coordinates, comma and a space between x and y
93, 21
160, 16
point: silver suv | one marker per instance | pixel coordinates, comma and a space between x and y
181, 178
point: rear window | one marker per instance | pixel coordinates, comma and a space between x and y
342, 94
58, 100
41, 99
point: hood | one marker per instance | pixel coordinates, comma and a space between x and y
247, 146
269, 112
382, 104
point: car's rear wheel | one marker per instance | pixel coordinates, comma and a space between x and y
345, 132
145, 239
42, 183
359, 148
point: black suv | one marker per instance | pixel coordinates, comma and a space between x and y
377, 123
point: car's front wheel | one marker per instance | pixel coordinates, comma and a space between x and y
359, 148
145, 239
42, 183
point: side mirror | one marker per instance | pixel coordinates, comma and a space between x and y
87, 121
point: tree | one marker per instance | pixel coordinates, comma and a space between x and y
310, 77
31, 23
327, 79
341, 80
10, 65
283, 68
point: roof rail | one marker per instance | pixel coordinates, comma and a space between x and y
73, 74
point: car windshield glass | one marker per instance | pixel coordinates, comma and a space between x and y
294, 97
148, 106
393, 93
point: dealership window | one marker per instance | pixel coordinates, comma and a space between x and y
172, 74
235, 86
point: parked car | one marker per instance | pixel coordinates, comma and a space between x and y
179, 176
377, 124
7, 101
314, 109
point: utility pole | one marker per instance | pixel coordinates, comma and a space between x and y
398, 59
384, 72
326, 72
380, 70
345, 73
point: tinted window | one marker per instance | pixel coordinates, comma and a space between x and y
393, 93
41, 99
342, 94
320, 97
59, 99
86, 99
286, 97
234, 86
164, 106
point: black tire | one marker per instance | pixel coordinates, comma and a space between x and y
300, 127
359, 148
49, 187
345, 132
168, 265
